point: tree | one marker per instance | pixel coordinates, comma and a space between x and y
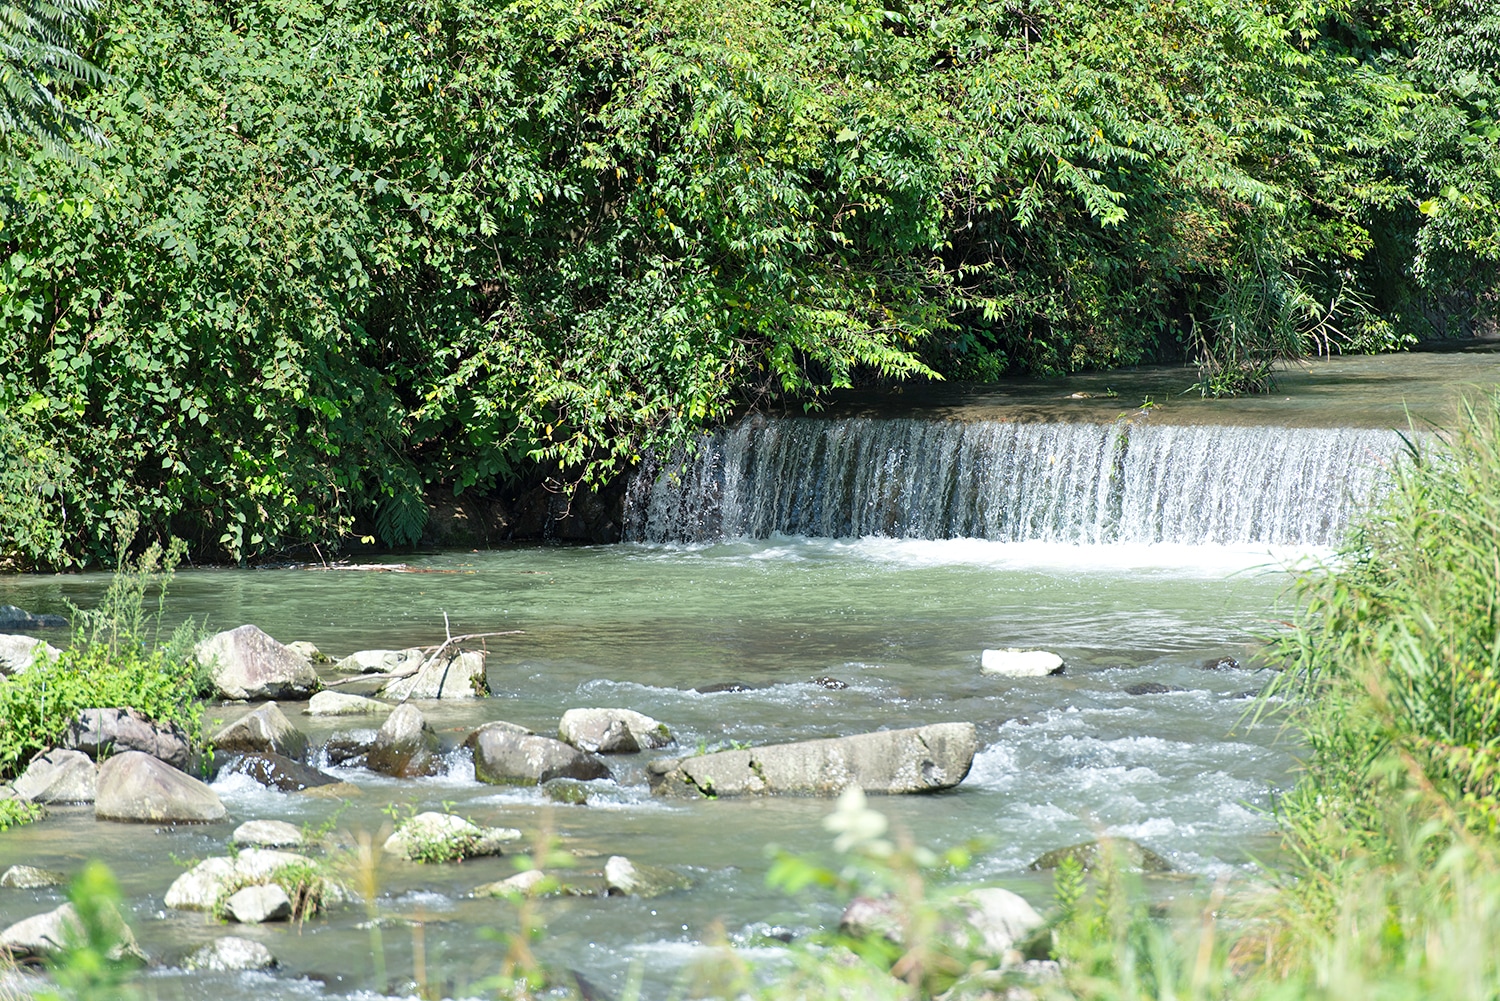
36, 62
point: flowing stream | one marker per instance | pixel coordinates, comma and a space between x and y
885, 553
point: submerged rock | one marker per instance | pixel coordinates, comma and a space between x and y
380, 661
1120, 852
59, 776
1225, 663
231, 954
624, 878
832, 684
17, 653
245, 663
444, 837
257, 904
264, 731
135, 787
452, 676
1151, 688
612, 731
47, 934
275, 771
729, 686
519, 885
102, 732
344, 704
12, 617
405, 746
266, 834
922, 759
568, 791
1014, 663
205, 884
25, 877
502, 756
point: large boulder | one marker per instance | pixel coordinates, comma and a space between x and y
48, 934
1014, 663
274, 771
1121, 853
612, 731
503, 756
26, 877
135, 787
102, 732
245, 663
344, 704
231, 954
59, 776
452, 676
205, 884
380, 661
444, 837
349, 747
405, 746
264, 731
17, 653
922, 759
12, 617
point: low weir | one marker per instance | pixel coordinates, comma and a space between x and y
1129, 481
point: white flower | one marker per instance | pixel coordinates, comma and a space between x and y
858, 827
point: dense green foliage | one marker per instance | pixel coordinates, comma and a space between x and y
36, 61
337, 254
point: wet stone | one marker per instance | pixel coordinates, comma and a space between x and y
25, 877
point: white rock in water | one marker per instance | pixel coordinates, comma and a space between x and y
344, 704
266, 834
231, 954
256, 904
1013, 663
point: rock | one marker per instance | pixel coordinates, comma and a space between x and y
1122, 852
102, 732
266, 834
1225, 663
17, 653
832, 684
264, 731
922, 759
25, 877
59, 776
456, 676
134, 786
868, 917
379, 661
1001, 919
349, 747
339, 790
1150, 688
443, 837
231, 954
49, 933
612, 731
504, 757
519, 885
12, 617
1013, 663
344, 704
624, 878
405, 745
276, 772
309, 653
728, 686
205, 884
245, 663
257, 904
566, 791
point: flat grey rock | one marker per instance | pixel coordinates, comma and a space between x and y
503, 756
59, 776
135, 787
12, 617
600, 731
25, 877
245, 663
921, 759
258, 904
266, 834
380, 661
344, 704
455, 676
1014, 663
1121, 852
231, 954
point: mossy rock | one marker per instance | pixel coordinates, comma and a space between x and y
1122, 852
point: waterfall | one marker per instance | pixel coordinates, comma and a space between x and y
1014, 482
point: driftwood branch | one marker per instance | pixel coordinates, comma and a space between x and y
433, 652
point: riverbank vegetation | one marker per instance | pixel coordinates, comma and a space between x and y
332, 256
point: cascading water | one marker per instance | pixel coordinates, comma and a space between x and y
1013, 482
